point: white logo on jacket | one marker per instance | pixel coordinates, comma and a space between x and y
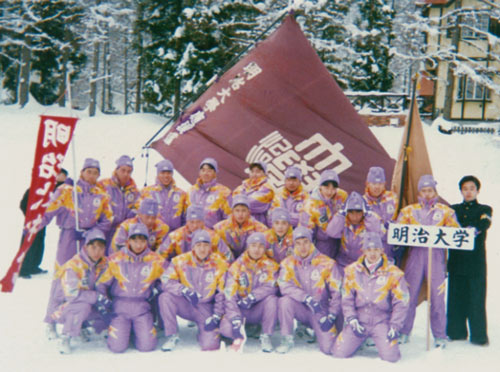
96, 202
210, 277
262, 277
210, 199
315, 275
381, 280
438, 216
146, 270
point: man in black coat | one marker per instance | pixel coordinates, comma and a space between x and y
467, 270
34, 256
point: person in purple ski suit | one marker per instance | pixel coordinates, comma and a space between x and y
259, 191
214, 197
280, 237
179, 241
384, 203
94, 210
80, 302
427, 212
170, 198
193, 288
319, 210
310, 285
123, 194
375, 302
130, 281
292, 195
236, 229
351, 224
251, 293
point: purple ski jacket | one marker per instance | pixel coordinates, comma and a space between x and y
316, 275
214, 198
157, 235
77, 281
94, 208
293, 202
352, 236
386, 205
171, 203
131, 276
179, 241
123, 199
247, 276
206, 278
260, 195
279, 249
379, 297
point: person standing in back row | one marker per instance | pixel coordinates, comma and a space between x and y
467, 270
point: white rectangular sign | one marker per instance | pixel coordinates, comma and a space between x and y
431, 236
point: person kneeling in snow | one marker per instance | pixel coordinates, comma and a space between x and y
81, 303
193, 288
375, 301
251, 289
310, 285
131, 277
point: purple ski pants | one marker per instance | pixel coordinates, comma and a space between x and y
74, 315
172, 306
264, 312
132, 315
415, 271
289, 309
347, 342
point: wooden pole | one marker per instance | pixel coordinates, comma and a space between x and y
429, 281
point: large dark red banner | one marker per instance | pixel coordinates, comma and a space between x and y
278, 104
54, 136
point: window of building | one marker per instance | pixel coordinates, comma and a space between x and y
473, 91
473, 21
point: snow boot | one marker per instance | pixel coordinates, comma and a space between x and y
64, 345
265, 343
286, 344
440, 343
170, 343
50, 331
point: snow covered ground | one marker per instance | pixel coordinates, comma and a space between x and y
23, 346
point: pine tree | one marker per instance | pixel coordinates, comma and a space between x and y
370, 69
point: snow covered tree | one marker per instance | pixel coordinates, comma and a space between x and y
371, 41
38, 38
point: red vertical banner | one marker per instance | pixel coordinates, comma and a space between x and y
54, 136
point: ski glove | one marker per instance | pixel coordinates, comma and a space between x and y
154, 293
327, 322
393, 334
80, 234
212, 322
103, 304
236, 324
247, 302
357, 328
312, 304
190, 295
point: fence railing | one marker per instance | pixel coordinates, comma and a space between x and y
387, 102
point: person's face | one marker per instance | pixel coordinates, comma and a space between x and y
427, 193
292, 184
328, 190
166, 177
123, 174
375, 189
256, 250
241, 213
147, 220
202, 250
96, 250
280, 227
207, 173
469, 191
61, 177
303, 246
373, 254
256, 172
194, 225
137, 243
90, 175
355, 217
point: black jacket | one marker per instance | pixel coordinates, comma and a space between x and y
470, 263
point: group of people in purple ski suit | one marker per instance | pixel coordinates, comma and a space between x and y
225, 261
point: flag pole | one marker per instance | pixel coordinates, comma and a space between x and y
73, 152
214, 78
406, 148
429, 281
